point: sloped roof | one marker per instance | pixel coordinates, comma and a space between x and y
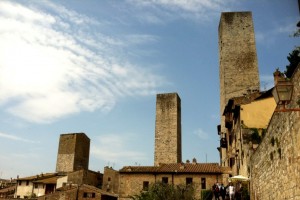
8, 189
37, 177
51, 180
177, 168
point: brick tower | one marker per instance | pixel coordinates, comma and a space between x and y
73, 152
238, 61
167, 129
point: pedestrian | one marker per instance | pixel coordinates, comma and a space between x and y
231, 191
216, 191
223, 191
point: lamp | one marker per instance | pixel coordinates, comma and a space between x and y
282, 93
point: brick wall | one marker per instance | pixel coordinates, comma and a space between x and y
275, 165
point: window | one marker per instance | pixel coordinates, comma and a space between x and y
89, 195
203, 183
164, 180
145, 185
109, 179
20, 182
189, 181
36, 185
27, 182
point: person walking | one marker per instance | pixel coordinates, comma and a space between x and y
231, 191
223, 191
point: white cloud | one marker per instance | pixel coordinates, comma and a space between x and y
54, 65
16, 138
201, 134
112, 149
198, 10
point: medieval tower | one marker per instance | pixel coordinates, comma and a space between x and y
167, 129
73, 152
237, 59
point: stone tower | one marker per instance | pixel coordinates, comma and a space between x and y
237, 56
73, 152
167, 129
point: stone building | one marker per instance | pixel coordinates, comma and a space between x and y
167, 129
238, 66
34, 186
73, 152
275, 165
246, 119
79, 192
71, 169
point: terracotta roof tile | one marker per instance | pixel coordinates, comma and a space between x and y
176, 167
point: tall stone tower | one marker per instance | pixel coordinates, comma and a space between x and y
238, 60
167, 129
73, 152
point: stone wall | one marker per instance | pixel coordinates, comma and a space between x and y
131, 184
275, 165
111, 180
85, 177
167, 129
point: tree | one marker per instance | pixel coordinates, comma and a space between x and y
159, 191
294, 59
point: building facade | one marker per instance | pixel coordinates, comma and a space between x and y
134, 179
246, 121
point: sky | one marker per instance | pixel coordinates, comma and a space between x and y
96, 67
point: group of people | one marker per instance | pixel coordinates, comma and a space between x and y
220, 191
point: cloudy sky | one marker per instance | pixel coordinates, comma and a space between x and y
96, 67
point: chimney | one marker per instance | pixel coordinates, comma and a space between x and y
278, 76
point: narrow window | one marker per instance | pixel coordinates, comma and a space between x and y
164, 180
27, 182
189, 181
145, 185
203, 183
20, 182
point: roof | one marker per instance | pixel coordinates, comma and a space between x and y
214, 168
51, 180
37, 177
83, 187
8, 189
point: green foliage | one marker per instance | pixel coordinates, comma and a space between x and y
206, 194
294, 59
161, 191
245, 192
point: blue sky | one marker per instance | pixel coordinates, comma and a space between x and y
96, 67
